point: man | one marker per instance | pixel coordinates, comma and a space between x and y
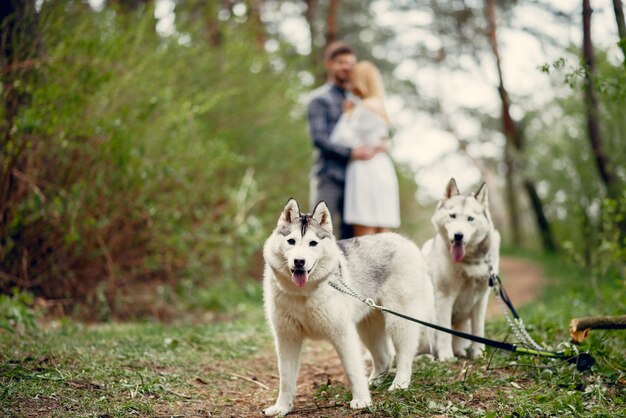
325, 108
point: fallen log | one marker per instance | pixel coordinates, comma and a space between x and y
579, 328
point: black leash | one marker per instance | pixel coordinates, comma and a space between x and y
495, 282
583, 361
516, 324
482, 340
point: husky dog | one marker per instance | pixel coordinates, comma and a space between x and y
458, 261
301, 258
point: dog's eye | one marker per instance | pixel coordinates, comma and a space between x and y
291, 241
470, 218
453, 215
312, 243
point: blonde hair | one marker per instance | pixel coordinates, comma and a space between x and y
367, 82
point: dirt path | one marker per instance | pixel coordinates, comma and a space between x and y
321, 366
522, 280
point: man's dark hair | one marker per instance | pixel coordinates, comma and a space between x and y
336, 49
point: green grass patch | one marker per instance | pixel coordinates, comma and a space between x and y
505, 384
120, 369
224, 365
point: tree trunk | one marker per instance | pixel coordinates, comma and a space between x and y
511, 196
542, 222
508, 129
330, 37
258, 29
128, 6
331, 22
309, 15
315, 57
607, 175
621, 26
212, 24
593, 125
19, 45
513, 150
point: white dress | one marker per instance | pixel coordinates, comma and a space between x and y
371, 190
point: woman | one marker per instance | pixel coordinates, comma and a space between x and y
371, 191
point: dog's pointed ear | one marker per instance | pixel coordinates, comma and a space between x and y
321, 215
451, 189
481, 194
290, 212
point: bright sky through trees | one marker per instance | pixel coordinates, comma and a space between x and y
420, 140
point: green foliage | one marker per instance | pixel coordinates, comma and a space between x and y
122, 369
608, 258
588, 220
162, 369
151, 157
415, 219
16, 312
222, 296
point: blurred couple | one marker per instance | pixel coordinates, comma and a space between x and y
349, 127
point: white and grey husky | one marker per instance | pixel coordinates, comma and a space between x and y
301, 258
457, 259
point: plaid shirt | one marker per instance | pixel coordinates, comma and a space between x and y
325, 108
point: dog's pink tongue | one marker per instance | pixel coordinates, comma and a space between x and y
299, 277
457, 251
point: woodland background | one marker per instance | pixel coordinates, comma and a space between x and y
143, 163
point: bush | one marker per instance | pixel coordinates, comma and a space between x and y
16, 312
146, 157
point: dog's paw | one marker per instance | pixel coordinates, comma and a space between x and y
398, 385
460, 352
460, 347
445, 355
360, 403
277, 410
477, 352
377, 380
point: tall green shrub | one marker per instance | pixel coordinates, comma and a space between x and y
586, 221
151, 157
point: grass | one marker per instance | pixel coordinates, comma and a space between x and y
141, 369
226, 367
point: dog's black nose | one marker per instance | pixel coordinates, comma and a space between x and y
458, 237
299, 262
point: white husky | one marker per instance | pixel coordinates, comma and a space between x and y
301, 258
458, 258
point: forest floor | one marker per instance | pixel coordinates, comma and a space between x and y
223, 365
321, 368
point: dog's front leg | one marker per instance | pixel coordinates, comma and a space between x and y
444, 304
288, 353
478, 324
348, 347
460, 345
